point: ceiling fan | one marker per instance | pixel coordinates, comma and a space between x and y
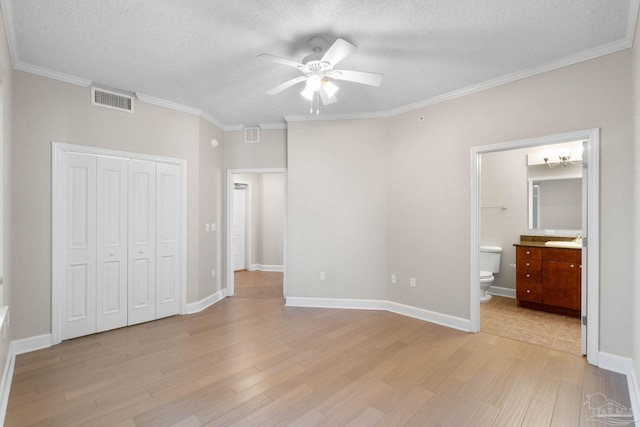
318, 70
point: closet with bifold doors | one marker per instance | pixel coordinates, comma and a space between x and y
120, 239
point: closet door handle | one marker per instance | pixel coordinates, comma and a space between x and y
141, 251
112, 253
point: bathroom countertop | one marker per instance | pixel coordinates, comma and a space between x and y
539, 241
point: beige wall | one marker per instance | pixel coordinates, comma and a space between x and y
211, 205
337, 182
49, 110
635, 300
504, 182
6, 77
270, 152
590, 94
423, 158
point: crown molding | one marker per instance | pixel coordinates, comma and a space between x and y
160, 102
625, 43
55, 75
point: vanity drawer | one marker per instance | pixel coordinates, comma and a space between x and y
528, 276
528, 264
531, 292
562, 255
528, 252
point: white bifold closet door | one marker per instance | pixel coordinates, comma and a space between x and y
121, 240
142, 241
168, 240
78, 302
112, 243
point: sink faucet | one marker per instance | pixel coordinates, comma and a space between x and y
578, 238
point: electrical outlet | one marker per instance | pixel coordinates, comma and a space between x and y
322, 275
412, 282
206, 227
213, 226
213, 272
394, 279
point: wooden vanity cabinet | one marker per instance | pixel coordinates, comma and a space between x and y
549, 279
561, 278
528, 274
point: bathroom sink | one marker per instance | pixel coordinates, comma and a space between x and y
564, 244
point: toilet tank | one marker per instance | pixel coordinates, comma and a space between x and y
490, 258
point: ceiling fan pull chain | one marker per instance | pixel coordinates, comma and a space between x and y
317, 103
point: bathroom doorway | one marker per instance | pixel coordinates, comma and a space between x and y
482, 204
256, 233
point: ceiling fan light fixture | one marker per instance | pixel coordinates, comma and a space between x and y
308, 93
313, 83
329, 88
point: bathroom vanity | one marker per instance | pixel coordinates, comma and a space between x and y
548, 278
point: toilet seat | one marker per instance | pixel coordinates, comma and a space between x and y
485, 275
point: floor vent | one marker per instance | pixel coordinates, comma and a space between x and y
117, 101
252, 135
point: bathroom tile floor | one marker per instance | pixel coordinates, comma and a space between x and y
500, 316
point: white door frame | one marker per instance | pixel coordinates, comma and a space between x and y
57, 150
591, 230
229, 224
248, 223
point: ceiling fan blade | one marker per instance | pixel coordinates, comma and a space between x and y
286, 85
326, 99
279, 60
339, 50
371, 79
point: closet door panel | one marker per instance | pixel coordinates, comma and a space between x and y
112, 243
168, 240
78, 302
142, 241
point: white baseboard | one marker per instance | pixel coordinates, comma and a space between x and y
27, 345
394, 307
196, 307
262, 267
430, 316
502, 292
624, 365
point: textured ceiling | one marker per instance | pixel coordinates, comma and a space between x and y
201, 53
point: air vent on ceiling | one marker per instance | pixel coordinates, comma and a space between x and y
117, 101
252, 135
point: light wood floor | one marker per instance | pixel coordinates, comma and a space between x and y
251, 361
257, 284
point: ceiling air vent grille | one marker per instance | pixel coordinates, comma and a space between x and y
105, 98
252, 135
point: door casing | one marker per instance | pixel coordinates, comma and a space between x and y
590, 228
229, 224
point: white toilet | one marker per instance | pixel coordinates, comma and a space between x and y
489, 263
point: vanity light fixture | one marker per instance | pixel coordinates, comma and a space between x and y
563, 160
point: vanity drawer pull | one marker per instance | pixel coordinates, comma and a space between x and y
528, 291
572, 266
528, 264
528, 275
528, 252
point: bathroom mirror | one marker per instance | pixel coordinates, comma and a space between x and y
555, 199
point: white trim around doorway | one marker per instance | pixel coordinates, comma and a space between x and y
592, 226
229, 270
